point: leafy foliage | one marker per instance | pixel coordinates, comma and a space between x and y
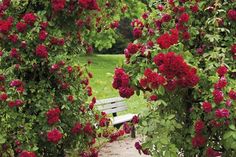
191, 101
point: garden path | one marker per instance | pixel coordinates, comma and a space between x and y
121, 148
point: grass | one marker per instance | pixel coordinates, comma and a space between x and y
102, 68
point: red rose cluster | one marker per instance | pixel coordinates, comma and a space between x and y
27, 154
232, 14
121, 81
5, 25
53, 115
166, 40
58, 5
54, 136
131, 50
89, 4
151, 80
41, 51
175, 70
140, 149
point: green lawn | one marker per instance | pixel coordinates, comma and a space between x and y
102, 68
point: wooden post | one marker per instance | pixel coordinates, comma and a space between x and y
133, 135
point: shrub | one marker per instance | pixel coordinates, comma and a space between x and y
184, 62
43, 93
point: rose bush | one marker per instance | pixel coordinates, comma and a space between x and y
43, 93
184, 62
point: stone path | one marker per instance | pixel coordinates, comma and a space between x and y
121, 148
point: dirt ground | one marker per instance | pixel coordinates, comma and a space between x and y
121, 148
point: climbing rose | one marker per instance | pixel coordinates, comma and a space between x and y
199, 126
54, 136
77, 128
121, 79
222, 70
126, 92
3, 97
166, 40
184, 18
232, 14
222, 113
218, 96
137, 33
21, 27
212, 153
29, 18
53, 115
135, 119
88, 128
16, 83
206, 107
27, 154
43, 35
232, 94
5, 25
41, 51
198, 141
153, 98
194, 8
166, 18
58, 5
89, 4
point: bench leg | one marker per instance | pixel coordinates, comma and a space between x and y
133, 131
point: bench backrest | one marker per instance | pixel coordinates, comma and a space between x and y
111, 105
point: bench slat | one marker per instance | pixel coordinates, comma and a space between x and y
118, 109
110, 106
122, 119
110, 100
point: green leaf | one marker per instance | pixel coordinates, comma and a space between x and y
2, 139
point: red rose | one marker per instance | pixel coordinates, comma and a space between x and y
77, 128
41, 51
212, 153
89, 4
43, 35
69, 69
137, 33
218, 96
194, 8
29, 18
184, 18
88, 128
232, 94
206, 107
53, 115
198, 141
135, 119
222, 113
54, 136
233, 49
199, 126
153, 98
21, 27
70, 98
126, 92
222, 70
232, 14
3, 97
27, 154
58, 5
5, 25
166, 18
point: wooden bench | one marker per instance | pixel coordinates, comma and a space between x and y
113, 106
